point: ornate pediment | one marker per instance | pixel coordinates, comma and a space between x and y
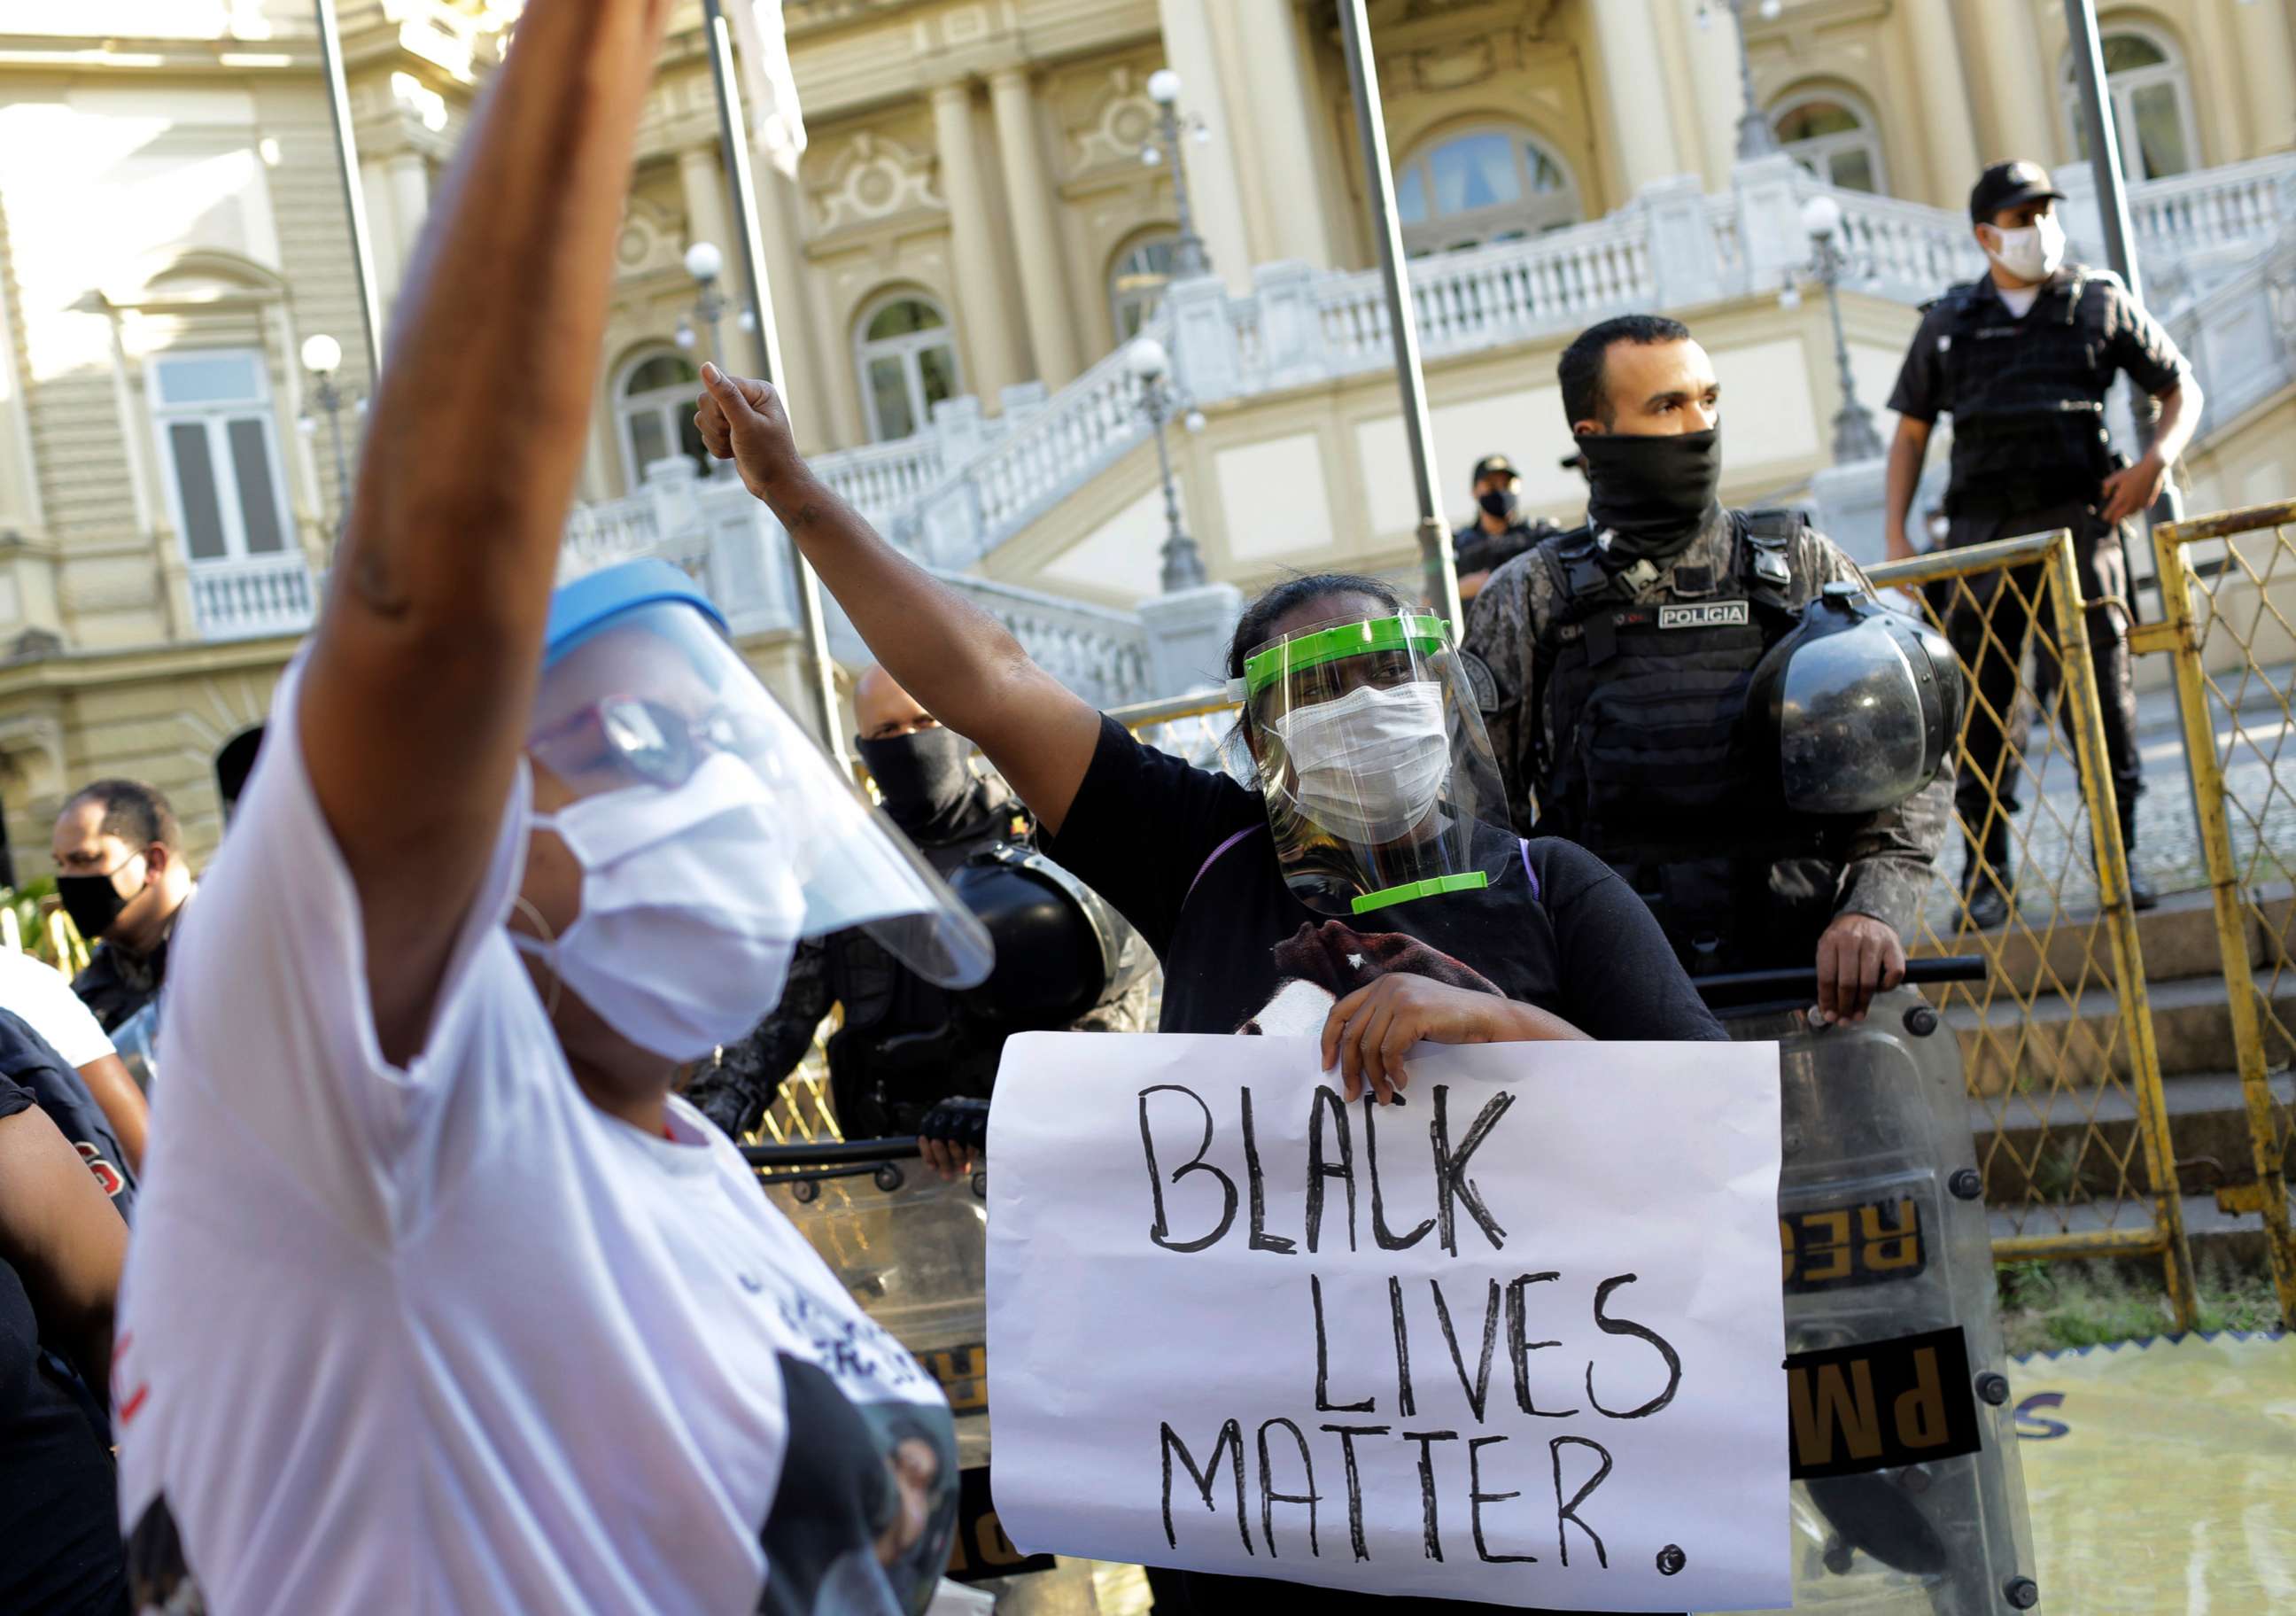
868, 178
1107, 121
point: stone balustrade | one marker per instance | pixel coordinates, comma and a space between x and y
954, 494
252, 596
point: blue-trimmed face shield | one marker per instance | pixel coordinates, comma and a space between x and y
644, 700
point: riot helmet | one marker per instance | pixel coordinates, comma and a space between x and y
1369, 749
644, 696
1062, 950
1856, 709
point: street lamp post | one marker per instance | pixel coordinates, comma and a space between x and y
1189, 258
323, 356
1854, 436
1755, 138
705, 264
1183, 564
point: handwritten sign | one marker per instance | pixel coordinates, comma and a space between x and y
1519, 1340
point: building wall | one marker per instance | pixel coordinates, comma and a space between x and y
1320, 477
983, 153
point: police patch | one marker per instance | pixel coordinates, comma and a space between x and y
1705, 614
1479, 682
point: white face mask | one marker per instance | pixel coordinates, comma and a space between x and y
2032, 253
690, 909
1368, 767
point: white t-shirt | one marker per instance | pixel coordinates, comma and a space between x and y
2019, 300
42, 995
449, 1338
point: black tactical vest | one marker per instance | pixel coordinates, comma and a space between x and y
2028, 398
1646, 704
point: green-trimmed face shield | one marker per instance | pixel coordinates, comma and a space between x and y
1372, 756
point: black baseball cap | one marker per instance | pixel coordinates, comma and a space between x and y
1495, 465
2010, 185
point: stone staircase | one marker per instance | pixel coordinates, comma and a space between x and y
2051, 1110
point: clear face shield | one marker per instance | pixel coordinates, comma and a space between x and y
650, 704
1370, 752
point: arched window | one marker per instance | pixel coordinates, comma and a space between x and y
1831, 137
2152, 105
1137, 282
1490, 184
907, 359
653, 409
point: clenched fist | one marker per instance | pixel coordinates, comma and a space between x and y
742, 420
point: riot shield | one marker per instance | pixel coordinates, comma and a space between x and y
1907, 1498
912, 1249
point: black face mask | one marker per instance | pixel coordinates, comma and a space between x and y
927, 788
1654, 493
1501, 503
94, 902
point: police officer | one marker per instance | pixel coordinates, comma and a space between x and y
906, 1045
1498, 534
1619, 657
2021, 360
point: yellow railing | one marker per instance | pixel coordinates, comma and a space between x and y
2228, 589
2058, 1048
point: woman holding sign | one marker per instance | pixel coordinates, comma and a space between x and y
1363, 894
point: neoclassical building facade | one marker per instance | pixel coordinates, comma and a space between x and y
986, 211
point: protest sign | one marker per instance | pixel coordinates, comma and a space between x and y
1518, 1340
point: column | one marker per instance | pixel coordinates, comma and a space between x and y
389, 268
20, 485
410, 201
701, 186
1641, 127
1036, 233
1287, 128
779, 204
1713, 51
1670, 47
1952, 128
1215, 191
2268, 54
2020, 86
982, 327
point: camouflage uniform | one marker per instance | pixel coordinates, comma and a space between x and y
1886, 858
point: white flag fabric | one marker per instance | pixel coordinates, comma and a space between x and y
761, 40
1517, 1340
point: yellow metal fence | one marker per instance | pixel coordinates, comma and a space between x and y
2228, 589
2058, 1045
2060, 1061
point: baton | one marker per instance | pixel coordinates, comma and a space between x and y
1795, 986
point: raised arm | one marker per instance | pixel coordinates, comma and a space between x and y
414, 704
958, 661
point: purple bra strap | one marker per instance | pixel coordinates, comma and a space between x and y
1526, 870
1213, 859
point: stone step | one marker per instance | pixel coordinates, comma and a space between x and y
2178, 940
2082, 1138
2073, 1043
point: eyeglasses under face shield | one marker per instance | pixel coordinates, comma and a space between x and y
645, 696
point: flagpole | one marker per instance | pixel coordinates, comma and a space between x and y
339, 107
734, 147
1435, 554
